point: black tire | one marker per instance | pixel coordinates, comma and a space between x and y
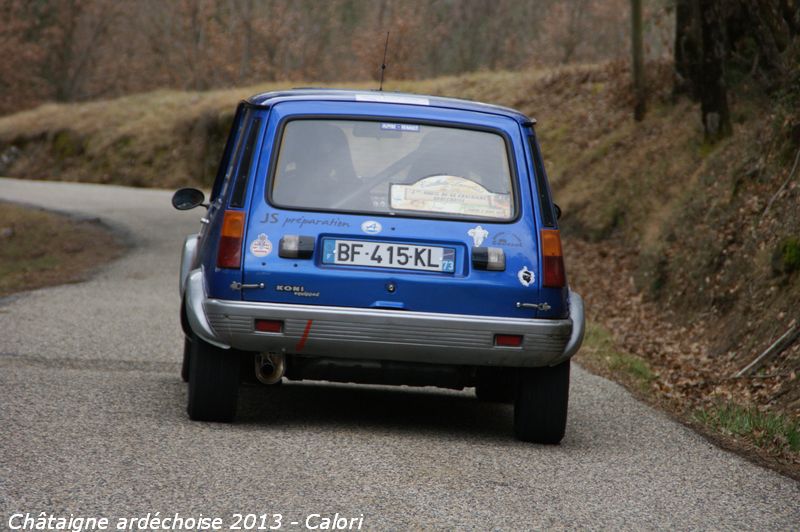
187, 352
495, 385
540, 405
213, 382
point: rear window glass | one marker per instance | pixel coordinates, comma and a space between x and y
400, 168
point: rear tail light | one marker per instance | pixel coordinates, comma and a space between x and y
507, 340
273, 326
230, 241
553, 265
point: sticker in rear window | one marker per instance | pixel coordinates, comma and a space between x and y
261, 247
400, 127
478, 235
526, 277
450, 194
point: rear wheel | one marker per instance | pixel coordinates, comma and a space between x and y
213, 382
540, 404
187, 352
495, 385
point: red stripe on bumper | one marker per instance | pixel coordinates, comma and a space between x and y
302, 343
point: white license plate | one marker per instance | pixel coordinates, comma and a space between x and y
388, 255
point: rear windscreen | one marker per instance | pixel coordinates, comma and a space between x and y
400, 168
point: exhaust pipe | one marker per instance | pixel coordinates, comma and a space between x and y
270, 367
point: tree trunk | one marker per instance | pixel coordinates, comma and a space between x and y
637, 66
711, 87
687, 47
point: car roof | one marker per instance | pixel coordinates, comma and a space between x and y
267, 99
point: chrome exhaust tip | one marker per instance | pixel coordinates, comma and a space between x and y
270, 367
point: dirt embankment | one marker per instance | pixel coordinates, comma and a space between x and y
40, 248
688, 253
163, 139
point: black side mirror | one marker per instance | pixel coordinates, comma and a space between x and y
187, 198
558, 211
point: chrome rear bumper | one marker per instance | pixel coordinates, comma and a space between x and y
378, 334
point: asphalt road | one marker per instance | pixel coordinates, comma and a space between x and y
93, 423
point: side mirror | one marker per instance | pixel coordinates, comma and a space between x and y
187, 198
558, 211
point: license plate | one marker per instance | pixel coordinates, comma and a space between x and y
386, 255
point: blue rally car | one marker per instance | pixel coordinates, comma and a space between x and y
383, 238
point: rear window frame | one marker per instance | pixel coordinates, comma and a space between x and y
543, 192
512, 163
248, 159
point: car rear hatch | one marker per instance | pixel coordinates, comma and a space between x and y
406, 243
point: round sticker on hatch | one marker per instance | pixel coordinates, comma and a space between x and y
526, 277
261, 247
371, 227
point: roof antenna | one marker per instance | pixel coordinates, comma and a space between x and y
383, 65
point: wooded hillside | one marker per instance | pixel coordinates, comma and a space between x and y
75, 50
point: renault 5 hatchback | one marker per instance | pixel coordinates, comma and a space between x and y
381, 238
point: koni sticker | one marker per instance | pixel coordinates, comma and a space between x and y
526, 277
478, 235
299, 291
261, 247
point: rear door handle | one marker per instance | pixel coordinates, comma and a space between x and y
536, 306
236, 285
204, 220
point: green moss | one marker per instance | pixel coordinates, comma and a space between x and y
791, 254
786, 257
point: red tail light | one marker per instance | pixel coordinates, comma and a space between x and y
230, 240
508, 340
553, 265
273, 326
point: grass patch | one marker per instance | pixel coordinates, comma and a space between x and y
600, 353
40, 248
764, 429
